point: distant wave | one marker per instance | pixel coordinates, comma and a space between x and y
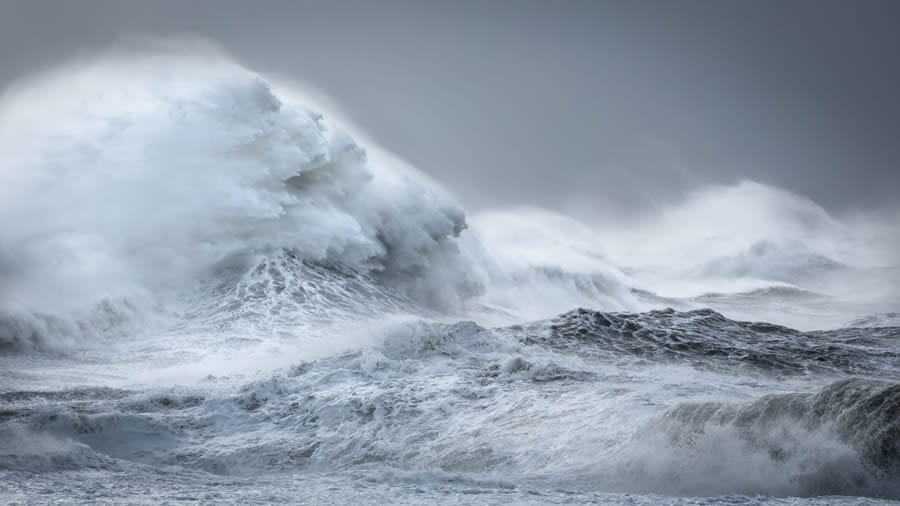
766, 260
779, 292
877, 320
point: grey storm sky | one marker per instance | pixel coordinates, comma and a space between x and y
597, 105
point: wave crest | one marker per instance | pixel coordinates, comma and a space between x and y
130, 179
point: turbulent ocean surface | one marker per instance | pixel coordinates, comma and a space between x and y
212, 293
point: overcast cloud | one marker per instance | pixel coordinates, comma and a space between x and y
599, 106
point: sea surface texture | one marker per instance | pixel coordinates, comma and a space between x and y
210, 292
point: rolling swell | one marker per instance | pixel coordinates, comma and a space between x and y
705, 338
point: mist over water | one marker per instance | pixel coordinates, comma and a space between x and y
212, 290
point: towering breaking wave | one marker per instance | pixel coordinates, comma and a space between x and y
203, 282
131, 180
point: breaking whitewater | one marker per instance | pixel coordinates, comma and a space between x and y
211, 293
